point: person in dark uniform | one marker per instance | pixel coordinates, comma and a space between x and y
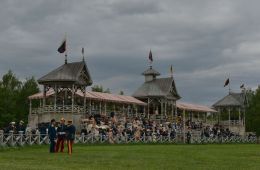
61, 136
70, 135
188, 135
20, 127
52, 135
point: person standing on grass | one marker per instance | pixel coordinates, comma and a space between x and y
61, 136
52, 135
70, 135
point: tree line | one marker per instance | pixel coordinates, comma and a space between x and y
14, 103
253, 113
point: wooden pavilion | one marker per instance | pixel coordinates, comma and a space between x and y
160, 94
65, 95
232, 110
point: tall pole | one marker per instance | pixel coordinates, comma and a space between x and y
66, 54
229, 118
148, 110
184, 125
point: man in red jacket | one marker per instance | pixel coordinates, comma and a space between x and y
61, 136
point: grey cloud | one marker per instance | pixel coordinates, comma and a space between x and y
204, 40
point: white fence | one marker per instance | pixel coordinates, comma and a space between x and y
22, 139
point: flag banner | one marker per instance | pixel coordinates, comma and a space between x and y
226, 82
242, 86
62, 47
82, 51
150, 56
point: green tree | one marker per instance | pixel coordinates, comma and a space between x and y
97, 88
253, 113
14, 105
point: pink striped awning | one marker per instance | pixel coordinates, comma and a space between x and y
194, 107
98, 96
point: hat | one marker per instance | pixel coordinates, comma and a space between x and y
62, 119
12, 123
22, 122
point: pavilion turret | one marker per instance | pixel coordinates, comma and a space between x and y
150, 74
160, 94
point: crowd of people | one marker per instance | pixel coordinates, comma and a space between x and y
123, 128
120, 127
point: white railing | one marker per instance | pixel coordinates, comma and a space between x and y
232, 122
22, 139
58, 109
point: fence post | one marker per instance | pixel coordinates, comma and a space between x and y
1, 138
83, 137
30, 138
92, 140
11, 134
21, 138
144, 138
39, 138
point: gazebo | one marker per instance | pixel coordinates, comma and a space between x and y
59, 88
160, 94
231, 109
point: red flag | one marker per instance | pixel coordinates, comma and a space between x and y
226, 82
150, 56
62, 47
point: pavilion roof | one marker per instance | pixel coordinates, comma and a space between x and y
194, 107
76, 72
160, 87
232, 99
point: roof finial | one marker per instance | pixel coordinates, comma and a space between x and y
171, 71
150, 58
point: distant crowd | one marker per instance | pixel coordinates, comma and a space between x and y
114, 127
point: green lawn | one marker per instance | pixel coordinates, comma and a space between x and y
229, 156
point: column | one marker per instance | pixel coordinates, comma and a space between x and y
30, 111
172, 108
184, 125
84, 103
55, 97
229, 118
100, 108
72, 98
239, 116
148, 114
90, 109
165, 108
162, 109
44, 96
105, 108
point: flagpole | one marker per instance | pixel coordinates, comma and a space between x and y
66, 61
229, 89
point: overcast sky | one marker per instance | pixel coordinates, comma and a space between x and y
204, 40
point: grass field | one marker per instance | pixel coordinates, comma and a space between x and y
229, 156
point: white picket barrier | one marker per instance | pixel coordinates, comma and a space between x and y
21, 139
